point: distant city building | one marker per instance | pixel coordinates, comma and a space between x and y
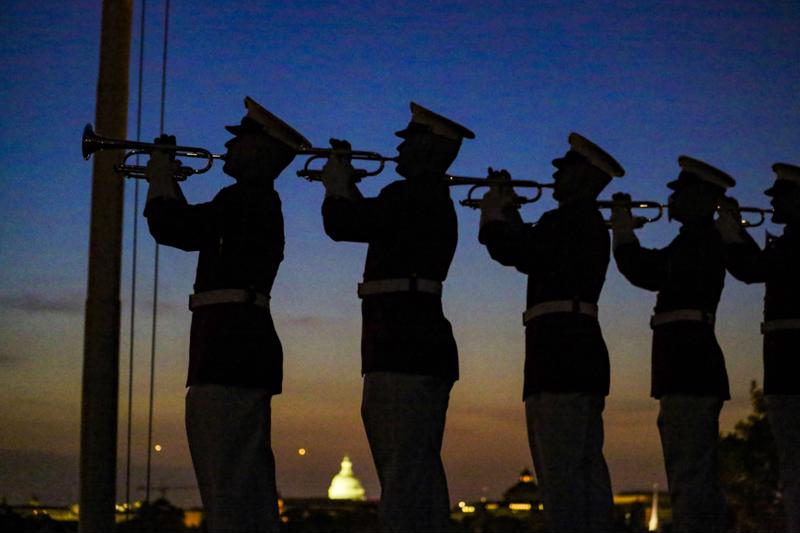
346, 509
524, 490
649, 511
652, 524
345, 485
520, 509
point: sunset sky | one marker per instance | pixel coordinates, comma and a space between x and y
648, 81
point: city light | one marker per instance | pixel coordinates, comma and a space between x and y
301, 451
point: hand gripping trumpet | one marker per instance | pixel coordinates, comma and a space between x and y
477, 183
91, 143
358, 155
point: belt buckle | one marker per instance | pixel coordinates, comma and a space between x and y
412, 284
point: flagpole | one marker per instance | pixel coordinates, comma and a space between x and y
100, 387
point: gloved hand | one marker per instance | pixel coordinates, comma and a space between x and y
500, 201
338, 174
729, 221
622, 220
161, 170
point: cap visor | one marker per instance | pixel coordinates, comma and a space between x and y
246, 125
782, 187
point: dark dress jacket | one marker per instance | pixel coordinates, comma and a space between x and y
239, 235
565, 256
412, 231
688, 274
778, 265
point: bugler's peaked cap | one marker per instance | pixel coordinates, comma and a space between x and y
259, 119
704, 172
785, 171
436, 123
596, 155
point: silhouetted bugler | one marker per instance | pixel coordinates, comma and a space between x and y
235, 356
565, 255
688, 370
409, 355
777, 265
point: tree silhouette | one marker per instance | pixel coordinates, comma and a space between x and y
749, 471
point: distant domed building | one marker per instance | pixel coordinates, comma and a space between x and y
524, 490
345, 485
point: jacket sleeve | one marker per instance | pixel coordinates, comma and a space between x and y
645, 268
354, 220
746, 261
510, 242
174, 222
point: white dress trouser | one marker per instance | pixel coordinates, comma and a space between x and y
228, 429
689, 429
783, 413
565, 434
404, 417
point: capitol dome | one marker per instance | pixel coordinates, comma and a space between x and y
345, 485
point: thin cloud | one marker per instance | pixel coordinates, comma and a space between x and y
7, 360
36, 303
73, 304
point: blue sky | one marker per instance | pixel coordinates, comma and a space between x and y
648, 81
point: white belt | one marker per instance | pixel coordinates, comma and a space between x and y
681, 315
227, 296
781, 324
382, 286
559, 306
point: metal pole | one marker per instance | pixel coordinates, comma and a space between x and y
102, 326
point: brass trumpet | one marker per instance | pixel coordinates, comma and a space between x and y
325, 153
608, 204
761, 212
91, 143
636, 204
477, 183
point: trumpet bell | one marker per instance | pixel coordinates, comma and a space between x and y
90, 142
